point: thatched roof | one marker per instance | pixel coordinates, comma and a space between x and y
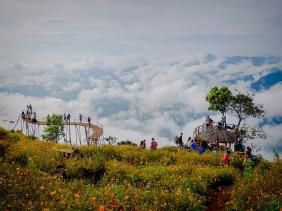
218, 135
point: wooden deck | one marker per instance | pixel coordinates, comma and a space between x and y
97, 130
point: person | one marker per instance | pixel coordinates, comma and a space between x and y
180, 141
65, 117
210, 122
154, 144
80, 117
239, 146
89, 120
23, 115
248, 156
34, 117
193, 145
225, 158
207, 121
143, 144
189, 141
249, 162
201, 149
30, 108
68, 118
221, 123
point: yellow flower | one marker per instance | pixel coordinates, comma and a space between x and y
126, 197
42, 187
53, 193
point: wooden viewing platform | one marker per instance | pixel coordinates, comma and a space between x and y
93, 132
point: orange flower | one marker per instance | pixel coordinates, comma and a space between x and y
102, 208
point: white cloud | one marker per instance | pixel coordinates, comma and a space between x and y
131, 96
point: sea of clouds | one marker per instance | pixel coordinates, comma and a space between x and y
136, 98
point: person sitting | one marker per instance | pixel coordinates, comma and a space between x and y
201, 149
34, 117
193, 145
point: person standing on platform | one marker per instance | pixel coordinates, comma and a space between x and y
80, 117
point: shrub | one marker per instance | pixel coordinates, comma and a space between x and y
3, 132
261, 190
86, 169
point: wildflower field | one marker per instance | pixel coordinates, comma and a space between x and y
34, 176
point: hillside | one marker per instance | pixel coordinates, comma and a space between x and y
34, 176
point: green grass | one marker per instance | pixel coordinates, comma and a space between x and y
34, 176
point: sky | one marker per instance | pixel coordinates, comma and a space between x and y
140, 68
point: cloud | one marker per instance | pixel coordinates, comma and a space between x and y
71, 29
133, 97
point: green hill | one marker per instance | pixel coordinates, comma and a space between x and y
34, 176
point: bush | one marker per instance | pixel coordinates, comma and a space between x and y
86, 169
259, 191
3, 132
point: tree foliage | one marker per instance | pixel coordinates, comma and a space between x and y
243, 106
126, 142
219, 99
54, 129
110, 140
240, 104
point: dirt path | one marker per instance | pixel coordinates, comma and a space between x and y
218, 199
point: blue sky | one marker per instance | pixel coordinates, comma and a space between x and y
142, 68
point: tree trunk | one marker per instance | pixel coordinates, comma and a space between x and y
238, 126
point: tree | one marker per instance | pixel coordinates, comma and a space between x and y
54, 129
219, 99
111, 140
243, 106
127, 142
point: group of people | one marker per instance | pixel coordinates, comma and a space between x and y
68, 117
29, 114
221, 124
154, 144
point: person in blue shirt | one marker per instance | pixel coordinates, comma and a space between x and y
193, 145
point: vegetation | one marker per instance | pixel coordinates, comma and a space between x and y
54, 129
110, 140
33, 176
243, 106
219, 99
127, 142
240, 104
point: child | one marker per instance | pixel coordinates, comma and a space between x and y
225, 158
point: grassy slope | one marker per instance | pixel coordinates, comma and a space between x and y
34, 176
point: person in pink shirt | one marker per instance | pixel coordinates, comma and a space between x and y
154, 144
